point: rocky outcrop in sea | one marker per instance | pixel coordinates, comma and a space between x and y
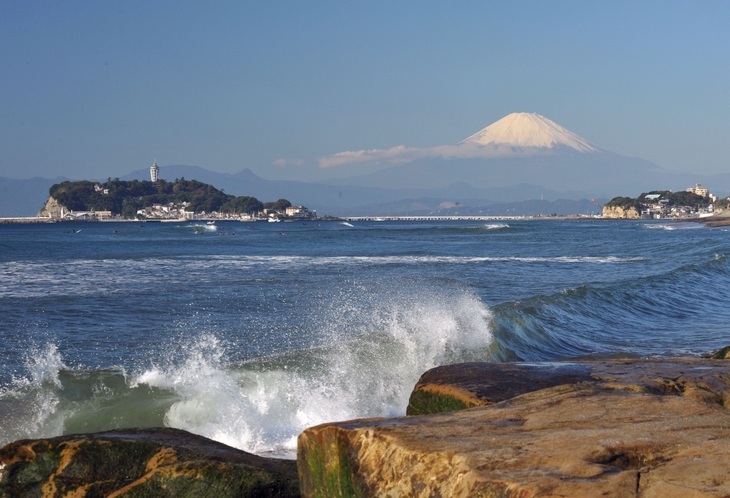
620, 213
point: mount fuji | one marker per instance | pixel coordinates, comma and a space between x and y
527, 149
522, 129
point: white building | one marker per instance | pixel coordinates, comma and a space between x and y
154, 171
297, 212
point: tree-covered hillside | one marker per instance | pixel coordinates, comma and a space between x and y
671, 199
127, 197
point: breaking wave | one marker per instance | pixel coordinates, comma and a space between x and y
496, 226
370, 350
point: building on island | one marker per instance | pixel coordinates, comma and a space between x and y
100, 189
298, 212
699, 190
702, 191
154, 171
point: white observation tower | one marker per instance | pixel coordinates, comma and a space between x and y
154, 171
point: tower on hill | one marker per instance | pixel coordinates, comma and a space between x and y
154, 171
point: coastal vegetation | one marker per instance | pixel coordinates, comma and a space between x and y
695, 202
128, 197
623, 203
667, 197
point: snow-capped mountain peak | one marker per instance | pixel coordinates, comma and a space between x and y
525, 129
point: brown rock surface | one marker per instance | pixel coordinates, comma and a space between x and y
621, 213
617, 428
143, 462
52, 209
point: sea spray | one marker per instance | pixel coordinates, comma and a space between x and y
373, 347
495, 226
28, 407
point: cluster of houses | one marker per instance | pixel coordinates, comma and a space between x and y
173, 211
658, 208
169, 211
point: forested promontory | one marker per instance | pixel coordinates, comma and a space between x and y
657, 204
127, 197
667, 196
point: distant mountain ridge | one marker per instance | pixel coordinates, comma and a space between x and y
527, 148
561, 170
23, 198
346, 199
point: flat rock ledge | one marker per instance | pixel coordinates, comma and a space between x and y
610, 428
141, 463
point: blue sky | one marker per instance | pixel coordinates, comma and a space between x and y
98, 89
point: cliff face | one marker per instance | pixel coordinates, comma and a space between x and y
620, 213
52, 209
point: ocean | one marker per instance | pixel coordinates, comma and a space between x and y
249, 333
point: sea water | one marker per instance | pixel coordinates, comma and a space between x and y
249, 333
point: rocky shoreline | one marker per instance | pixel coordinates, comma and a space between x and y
718, 220
573, 428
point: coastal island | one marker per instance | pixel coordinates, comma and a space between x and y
695, 202
182, 199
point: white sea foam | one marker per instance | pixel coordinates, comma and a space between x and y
20, 279
660, 227
366, 366
496, 226
197, 227
672, 227
28, 406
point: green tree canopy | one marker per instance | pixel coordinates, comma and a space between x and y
127, 197
279, 205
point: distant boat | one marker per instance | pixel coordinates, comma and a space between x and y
211, 223
274, 220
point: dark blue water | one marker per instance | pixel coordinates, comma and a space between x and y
248, 333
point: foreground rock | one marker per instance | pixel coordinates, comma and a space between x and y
144, 462
618, 428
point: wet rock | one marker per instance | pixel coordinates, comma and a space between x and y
456, 387
617, 428
723, 354
144, 462
477, 384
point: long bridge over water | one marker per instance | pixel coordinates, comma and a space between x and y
436, 218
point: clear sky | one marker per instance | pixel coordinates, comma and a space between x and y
96, 89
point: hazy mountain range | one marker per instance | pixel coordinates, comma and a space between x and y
518, 158
525, 148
